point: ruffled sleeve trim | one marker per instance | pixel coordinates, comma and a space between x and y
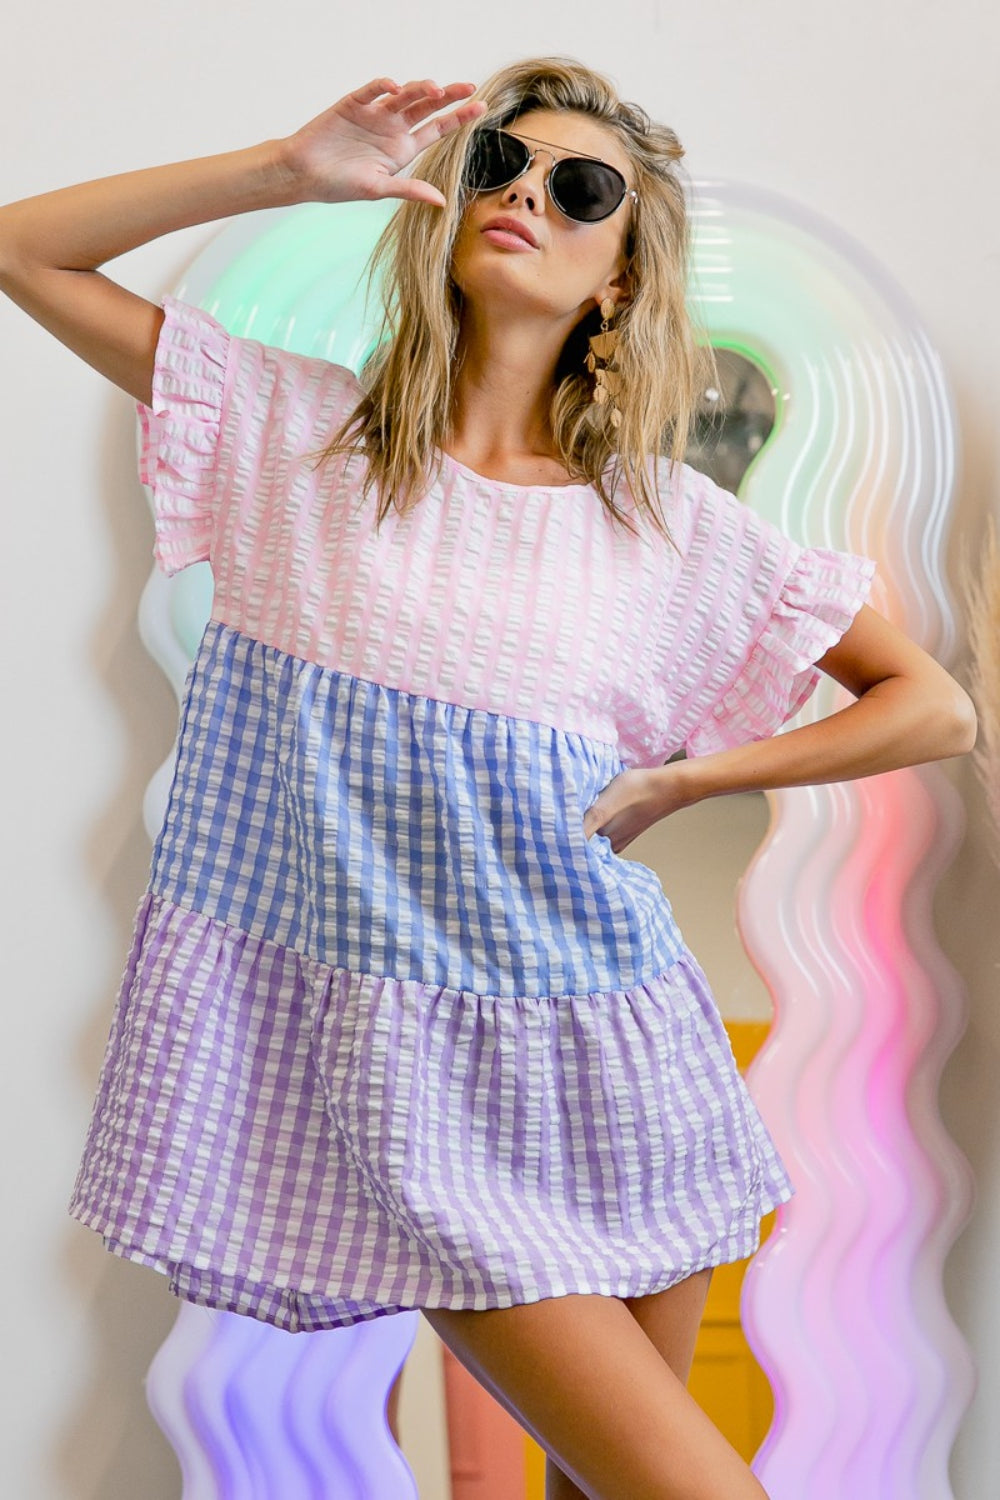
819, 599
179, 434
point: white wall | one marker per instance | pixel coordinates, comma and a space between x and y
877, 113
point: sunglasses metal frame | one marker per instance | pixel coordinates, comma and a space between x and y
627, 192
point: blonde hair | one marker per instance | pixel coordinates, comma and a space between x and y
408, 379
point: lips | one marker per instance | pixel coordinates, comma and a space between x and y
512, 226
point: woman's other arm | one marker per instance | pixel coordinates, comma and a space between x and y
909, 710
52, 245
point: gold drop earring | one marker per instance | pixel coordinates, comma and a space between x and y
607, 381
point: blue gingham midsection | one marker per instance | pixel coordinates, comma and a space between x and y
393, 834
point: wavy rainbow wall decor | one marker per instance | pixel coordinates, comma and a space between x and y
844, 1305
255, 1413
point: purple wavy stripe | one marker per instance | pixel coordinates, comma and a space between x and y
254, 1413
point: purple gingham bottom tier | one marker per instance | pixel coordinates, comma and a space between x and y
314, 1146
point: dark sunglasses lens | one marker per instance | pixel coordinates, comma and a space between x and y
586, 190
495, 158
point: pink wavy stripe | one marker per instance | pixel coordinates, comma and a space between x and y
845, 1305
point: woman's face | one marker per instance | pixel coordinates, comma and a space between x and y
572, 264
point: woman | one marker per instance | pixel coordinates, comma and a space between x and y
398, 1027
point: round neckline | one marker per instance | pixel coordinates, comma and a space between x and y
505, 484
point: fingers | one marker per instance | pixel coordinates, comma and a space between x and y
370, 91
416, 190
427, 97
416, 99
435, 129
410, 93
409, 104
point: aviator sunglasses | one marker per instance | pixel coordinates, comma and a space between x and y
584, 188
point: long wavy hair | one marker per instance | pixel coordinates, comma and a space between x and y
403, 419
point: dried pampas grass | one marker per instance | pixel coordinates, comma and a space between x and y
982, 590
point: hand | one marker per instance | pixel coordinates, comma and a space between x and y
636, 799
355, 148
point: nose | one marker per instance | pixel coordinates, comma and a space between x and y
529, 188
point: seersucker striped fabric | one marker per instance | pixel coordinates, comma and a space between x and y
305, 1164
394, 834
392, 1031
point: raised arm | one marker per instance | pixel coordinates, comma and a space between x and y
52, 245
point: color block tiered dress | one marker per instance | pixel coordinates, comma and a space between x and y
393, 1032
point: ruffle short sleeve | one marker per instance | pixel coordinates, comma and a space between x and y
180, 434
821, 593
749, 614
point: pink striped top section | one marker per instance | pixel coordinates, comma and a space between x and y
519, 600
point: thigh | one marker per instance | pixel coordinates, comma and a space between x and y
580, 1374
671, 1319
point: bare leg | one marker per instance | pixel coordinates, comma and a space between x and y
582, 1375
671, 1319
